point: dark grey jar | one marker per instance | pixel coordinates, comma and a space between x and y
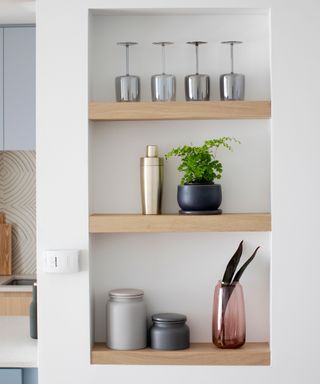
169, 332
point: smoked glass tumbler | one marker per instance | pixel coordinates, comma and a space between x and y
228, 321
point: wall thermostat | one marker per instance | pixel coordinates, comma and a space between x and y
61, 261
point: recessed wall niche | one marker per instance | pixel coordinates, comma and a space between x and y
178, 271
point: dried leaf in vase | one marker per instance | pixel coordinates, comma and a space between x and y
243, 268
232, 265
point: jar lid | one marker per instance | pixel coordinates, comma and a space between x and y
126, 293
169, 318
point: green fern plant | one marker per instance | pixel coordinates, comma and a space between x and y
199, 165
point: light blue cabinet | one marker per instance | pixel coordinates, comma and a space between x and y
1, 90
18, 376
30, 376
19, 64
11, 376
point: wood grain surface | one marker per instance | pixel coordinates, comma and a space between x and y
5, 249
15, 303
179, 110
197, 354
228, 222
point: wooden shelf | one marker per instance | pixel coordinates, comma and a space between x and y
197, 354
228, 222
15, 303
177, 110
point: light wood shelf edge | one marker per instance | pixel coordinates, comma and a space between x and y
135, 223
178, 110
15, 303
197, 354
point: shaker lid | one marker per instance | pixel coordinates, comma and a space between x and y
152, 151
169, 318
125, 293
151, 158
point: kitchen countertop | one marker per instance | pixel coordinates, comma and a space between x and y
15, 288
17, 349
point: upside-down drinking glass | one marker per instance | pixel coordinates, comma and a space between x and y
232, 85
127, 86
163, 86
197, 85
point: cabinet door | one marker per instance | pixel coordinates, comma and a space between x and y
1, 89
30, 376
19, 88
10, 376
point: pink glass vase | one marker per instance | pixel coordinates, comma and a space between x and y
229, 320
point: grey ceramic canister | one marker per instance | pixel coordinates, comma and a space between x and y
169, 332
126, 320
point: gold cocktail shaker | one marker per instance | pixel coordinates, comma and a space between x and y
151, 179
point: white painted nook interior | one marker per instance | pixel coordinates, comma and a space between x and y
178, 271
62, 188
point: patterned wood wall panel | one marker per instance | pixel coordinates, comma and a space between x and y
18, 201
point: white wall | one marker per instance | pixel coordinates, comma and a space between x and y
62, 178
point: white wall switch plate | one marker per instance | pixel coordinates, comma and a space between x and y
61, 261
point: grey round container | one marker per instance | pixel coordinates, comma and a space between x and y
126, 320
169, 332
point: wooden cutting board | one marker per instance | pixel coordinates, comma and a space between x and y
5, 248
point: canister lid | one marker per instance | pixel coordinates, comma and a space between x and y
169, 318
126, 293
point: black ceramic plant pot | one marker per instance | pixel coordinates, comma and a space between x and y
200, 198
